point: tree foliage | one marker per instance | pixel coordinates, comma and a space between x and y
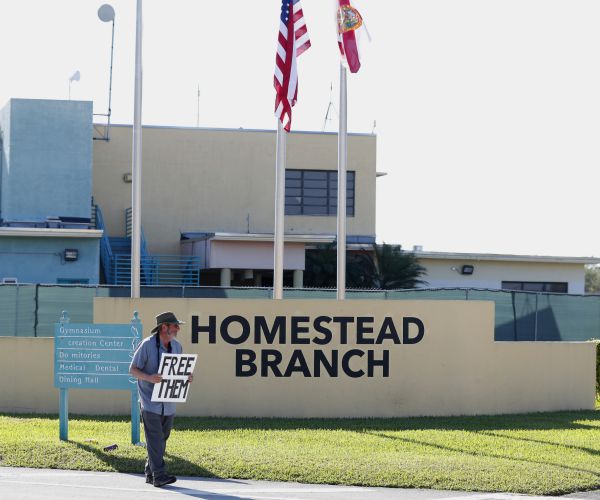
321, 266
383, 267
592, 279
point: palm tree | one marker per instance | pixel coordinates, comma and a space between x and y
387, 267
321, 266
384, 267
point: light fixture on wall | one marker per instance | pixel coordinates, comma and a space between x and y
71, 254
467, 269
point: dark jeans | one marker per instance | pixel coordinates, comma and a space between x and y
157, 429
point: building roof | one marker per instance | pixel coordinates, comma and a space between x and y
353, 239
300, 238
420, 254
220, 129
50, 233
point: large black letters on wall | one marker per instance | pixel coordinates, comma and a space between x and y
304, 331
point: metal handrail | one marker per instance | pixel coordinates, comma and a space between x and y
106, 254
158, 270
144, 253
128, 219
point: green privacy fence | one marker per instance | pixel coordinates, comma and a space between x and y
32, 310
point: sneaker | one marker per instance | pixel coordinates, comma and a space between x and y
164, 480
149, 479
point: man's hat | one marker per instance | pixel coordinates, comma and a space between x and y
166, 317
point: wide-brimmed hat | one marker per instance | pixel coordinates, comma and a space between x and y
166, 317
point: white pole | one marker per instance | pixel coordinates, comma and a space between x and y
279, 213
341, 198
136, 186
198, 109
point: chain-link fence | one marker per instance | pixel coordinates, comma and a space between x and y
32, 310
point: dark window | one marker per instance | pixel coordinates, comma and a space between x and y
314, 192
536, 286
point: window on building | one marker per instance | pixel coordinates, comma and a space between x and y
536, 286
314, 192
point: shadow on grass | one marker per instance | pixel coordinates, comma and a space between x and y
528, 421
562, 420
461, 451
584, 449
176, 464
116, 462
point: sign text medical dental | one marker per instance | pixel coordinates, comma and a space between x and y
94, 356
353, 331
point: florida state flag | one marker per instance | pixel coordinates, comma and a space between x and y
349, 21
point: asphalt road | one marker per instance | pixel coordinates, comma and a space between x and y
33, 484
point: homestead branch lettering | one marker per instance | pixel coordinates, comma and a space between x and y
355, 362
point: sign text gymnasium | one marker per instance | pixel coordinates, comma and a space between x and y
355, 331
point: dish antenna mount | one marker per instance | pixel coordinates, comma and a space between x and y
106, 14
75, 77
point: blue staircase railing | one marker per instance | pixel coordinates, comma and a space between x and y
106, 255
159, 270
146, 269
115, 256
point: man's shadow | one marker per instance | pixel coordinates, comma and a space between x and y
203, 493
132, 463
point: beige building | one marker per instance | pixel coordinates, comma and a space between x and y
210, 193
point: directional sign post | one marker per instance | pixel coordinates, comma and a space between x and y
90, 356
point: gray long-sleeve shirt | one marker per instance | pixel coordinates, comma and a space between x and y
146, 358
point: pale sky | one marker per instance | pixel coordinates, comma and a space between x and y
487, 111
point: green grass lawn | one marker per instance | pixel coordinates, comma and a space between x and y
542, 453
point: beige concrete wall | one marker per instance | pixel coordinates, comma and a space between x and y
254, 255
213, 180
457, 369
491, 274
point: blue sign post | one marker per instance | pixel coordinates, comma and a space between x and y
90, 356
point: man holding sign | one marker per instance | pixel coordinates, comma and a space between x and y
160, 367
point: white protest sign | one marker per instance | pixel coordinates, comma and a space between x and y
175, 370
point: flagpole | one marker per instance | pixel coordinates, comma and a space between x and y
136, 186
279, 213
341, 188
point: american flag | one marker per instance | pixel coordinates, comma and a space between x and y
293, 40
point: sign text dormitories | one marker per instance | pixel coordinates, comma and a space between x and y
305, 330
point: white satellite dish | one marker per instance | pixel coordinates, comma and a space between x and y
75, 77
106, 13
